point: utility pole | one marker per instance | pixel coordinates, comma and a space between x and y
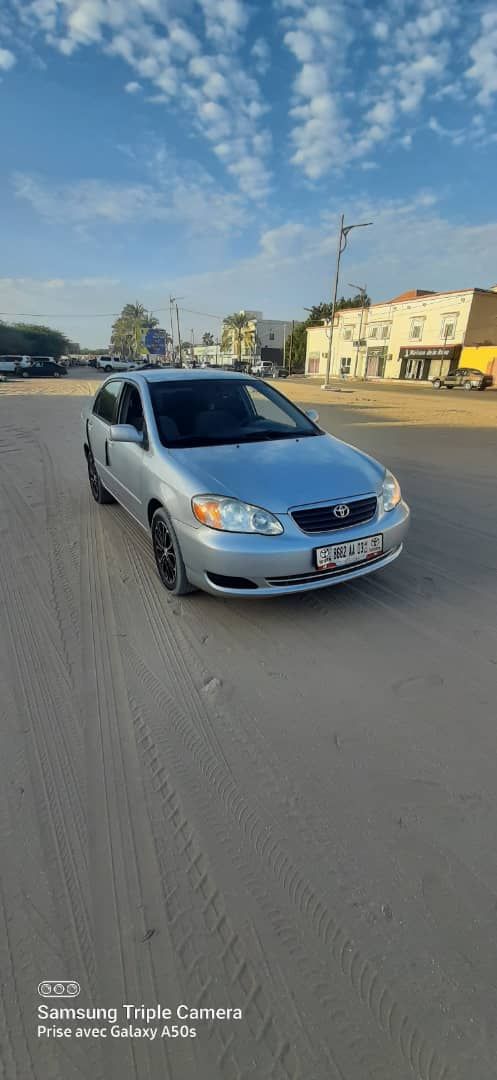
179, 333
290, 358
172, 327
362, 289
173, 300
342, 244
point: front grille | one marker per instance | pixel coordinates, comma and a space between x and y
323, 575
321, 519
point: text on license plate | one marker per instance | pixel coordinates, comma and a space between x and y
351, 551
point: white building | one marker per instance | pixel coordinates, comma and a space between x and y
259, 335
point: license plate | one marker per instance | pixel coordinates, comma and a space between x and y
350, 551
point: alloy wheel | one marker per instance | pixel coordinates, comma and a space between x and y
165, 554
93, 477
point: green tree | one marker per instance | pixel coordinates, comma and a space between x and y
207, 338
234, 327
295, 348
129, 328
322, 311
32, 340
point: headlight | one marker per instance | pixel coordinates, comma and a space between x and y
391, 492
230, 515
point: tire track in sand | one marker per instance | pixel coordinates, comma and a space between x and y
363, 975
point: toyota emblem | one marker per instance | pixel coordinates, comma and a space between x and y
341, 511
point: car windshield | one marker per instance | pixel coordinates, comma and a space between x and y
215, 412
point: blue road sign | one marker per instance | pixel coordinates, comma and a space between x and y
155, 341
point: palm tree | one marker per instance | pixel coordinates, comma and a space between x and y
129, 327
234, 327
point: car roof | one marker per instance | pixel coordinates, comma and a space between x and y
190, 374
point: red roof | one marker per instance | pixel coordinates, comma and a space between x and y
411, 294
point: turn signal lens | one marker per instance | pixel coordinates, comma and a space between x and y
231, 515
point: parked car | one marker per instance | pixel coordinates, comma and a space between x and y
43, 367
11, 365
243, 493
467, 378
279, 373
262, 368
114, 363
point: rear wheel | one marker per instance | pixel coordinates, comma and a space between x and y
99, 492
437, 383
168, 557
107, 367
56, 374
467, 385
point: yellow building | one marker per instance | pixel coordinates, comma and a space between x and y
417, 335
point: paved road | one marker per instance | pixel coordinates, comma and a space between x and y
286, 807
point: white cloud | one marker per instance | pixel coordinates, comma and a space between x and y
132, 87
483, 53
262, 55
318, 38
173, 54
402, 58
7, 59
412, 245
179, 195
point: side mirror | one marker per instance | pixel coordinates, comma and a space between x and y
125, 433
313, 415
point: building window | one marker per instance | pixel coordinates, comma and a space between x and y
385, 331
345, 363
373, 331
271, 335
416, 332
448, 330
347, 333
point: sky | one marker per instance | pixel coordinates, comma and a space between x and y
205, 149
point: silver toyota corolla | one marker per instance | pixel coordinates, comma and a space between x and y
243, 493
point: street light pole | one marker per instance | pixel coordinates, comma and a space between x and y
342, 244
362, 289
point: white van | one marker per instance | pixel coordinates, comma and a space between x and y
10, 365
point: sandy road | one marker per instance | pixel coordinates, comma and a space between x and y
288, 808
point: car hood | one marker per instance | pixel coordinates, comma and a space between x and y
281, 474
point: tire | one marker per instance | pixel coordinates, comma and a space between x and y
100, 494
168, 557
56, 374
467, 385
437, 384
107, 367
25, 374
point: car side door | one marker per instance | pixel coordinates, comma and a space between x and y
98, 426
126, 459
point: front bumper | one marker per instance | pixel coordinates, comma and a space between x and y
263, 566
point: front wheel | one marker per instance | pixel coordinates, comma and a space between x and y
25, 374
437, 384
99, 492
168, 557
56, 374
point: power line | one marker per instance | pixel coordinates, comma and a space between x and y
95, 315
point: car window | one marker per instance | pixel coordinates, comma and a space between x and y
213, 412
265, 407
105, 403
131, 410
